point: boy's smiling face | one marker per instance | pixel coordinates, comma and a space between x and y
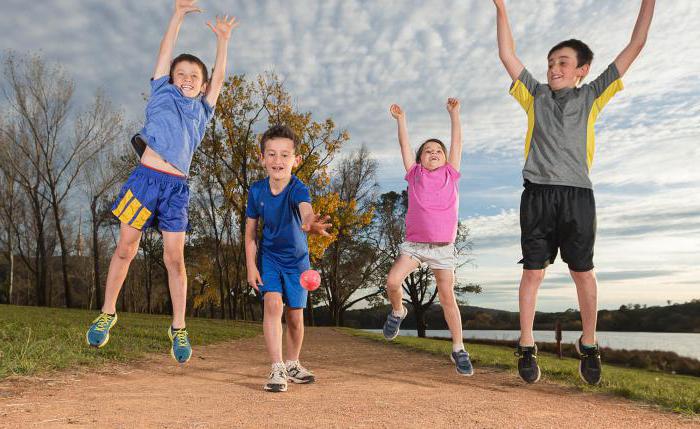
279, 158
562, 70
188, 77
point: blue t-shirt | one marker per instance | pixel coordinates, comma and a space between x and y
175, 124
283, 241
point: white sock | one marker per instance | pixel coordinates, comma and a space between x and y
291, 363
457, 347
399, 313
279, 365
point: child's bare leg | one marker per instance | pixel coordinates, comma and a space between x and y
295, 331
174, 259
587, 290
529, 284
446, 293
272, 325
127, 247
398, 273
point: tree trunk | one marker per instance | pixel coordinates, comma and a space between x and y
12, 264
64, 256
95, 256
419, 311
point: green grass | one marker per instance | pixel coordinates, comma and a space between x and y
679, 393
38, 339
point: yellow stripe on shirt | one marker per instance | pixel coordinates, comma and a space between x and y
598, 105
520, 92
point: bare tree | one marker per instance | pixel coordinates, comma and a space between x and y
350, 265
9, 205
39, 100
101, 175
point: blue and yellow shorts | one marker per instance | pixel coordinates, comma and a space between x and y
151, 198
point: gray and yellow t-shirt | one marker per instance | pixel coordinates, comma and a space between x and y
560, 140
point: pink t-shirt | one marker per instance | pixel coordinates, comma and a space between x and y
432, 204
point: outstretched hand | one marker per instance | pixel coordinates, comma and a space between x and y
318, 225
396, 111
183, 7
223, 26
453, 105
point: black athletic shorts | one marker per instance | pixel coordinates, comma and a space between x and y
557, 217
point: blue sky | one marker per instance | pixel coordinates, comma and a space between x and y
350, 60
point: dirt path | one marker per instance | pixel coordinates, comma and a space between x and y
361, 383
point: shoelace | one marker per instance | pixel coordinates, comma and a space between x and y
181, 337
592, 352
279, 372
102, 322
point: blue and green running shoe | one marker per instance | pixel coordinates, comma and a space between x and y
181, 349
98, 333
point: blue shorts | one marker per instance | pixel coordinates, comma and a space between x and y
151, 198
286, 282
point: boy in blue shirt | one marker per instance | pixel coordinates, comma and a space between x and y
274, 266
157, 194
557, 207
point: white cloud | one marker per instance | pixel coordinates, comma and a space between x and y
349, 60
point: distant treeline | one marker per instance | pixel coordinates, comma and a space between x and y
630, 318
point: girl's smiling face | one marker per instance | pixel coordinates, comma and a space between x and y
432, 155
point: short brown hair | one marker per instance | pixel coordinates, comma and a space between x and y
190, 59
276, 132
584, 55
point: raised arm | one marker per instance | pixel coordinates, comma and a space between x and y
506, 46
165, 53
222, 29
406, 152
251, 253
639, 37
455, 158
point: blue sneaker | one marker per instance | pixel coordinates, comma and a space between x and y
391, 326
181, 349
462, 362
98, 333
589, 368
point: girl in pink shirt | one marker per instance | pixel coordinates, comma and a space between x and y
431, 227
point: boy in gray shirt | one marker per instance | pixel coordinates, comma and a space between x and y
557, 208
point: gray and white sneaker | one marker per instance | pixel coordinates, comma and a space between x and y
277, 381
462, 363
298, 374
392, 324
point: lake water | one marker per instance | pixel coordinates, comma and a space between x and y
684, 344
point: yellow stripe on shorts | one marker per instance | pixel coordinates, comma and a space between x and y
142, 217
117, 211
130, 211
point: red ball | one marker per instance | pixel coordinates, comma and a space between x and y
310, 280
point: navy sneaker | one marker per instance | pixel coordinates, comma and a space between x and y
527, 364
462, 362
181, 350
391, 326
590, 368
98, 333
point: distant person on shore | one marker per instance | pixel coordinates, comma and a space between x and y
156, 194
282, 203
557, 208
431, 227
